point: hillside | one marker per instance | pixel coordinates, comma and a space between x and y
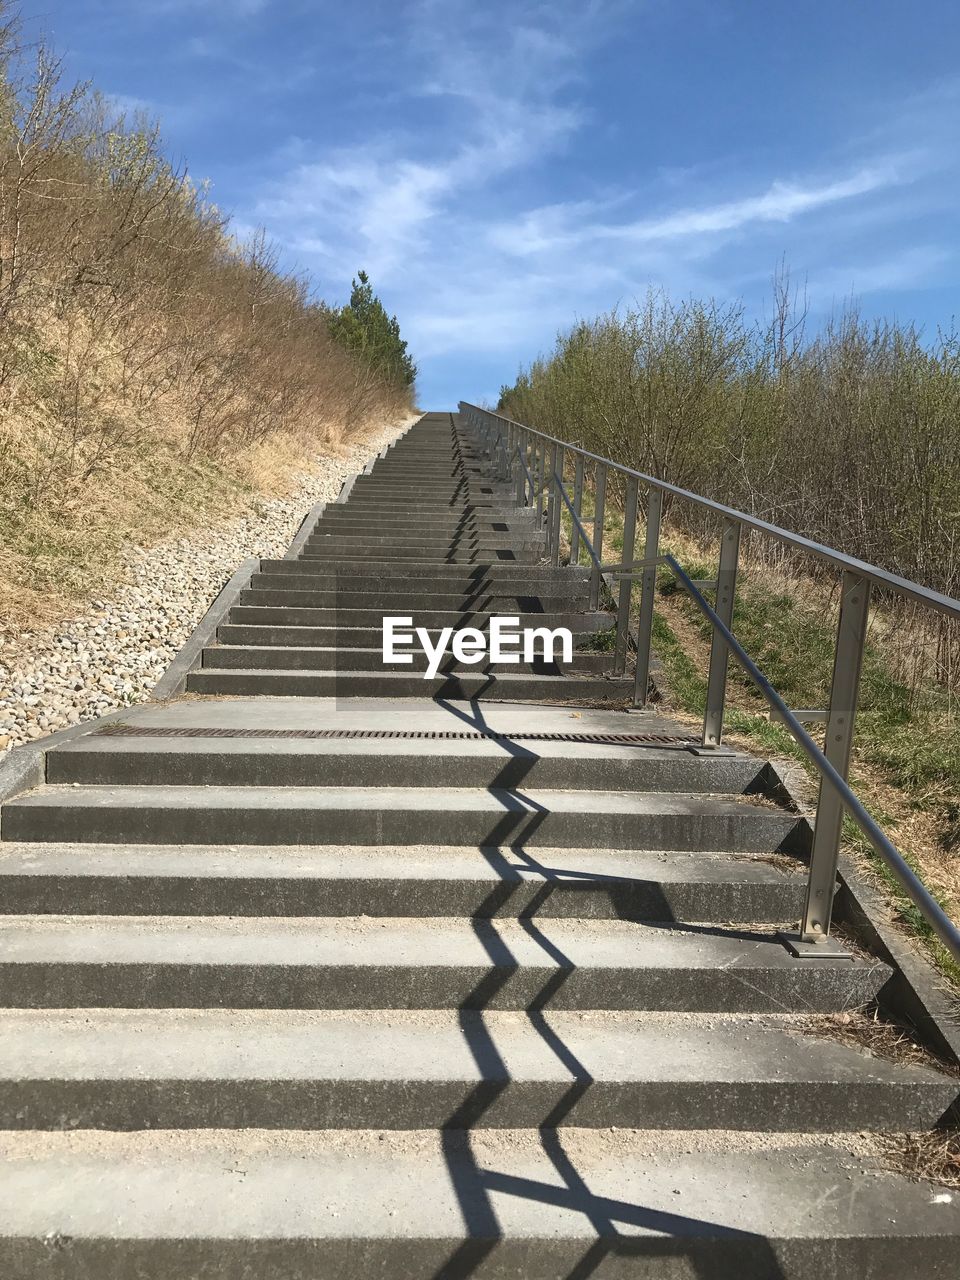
154, 369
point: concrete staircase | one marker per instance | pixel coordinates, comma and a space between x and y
405, 986
425, 533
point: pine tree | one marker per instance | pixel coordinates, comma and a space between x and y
363, 326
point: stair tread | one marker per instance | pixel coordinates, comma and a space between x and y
358, 1044
550, 945
505, 749
450, 799
425, 1194
384, 862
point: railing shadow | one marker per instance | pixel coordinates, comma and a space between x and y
693, 1239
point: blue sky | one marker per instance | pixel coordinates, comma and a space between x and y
501, 168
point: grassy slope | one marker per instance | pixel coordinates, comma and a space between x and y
54, 558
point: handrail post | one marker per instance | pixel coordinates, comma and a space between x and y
648, 592
626, 581
578, 508
719, 652
556, 511
549, 498
599, 505
541, 454
838, 745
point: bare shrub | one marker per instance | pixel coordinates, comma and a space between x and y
135, 330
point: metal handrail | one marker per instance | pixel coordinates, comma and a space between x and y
880, 577
906, 877
832, 763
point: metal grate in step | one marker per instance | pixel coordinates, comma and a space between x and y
460, 735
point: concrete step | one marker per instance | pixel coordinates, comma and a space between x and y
446, 577
396, 683
481, 505
370, 594
398, 556
436, 542
267, 657
195, 962
433, 530
398, 762
399, 815
398, 1070
456, 491
427, 539
345, 518
396, 880
299, 635
272, 592
399, 560
497, 1204
372, 619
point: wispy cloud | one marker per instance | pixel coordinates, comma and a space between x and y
443, 202
495, 98
568, 226
216, 8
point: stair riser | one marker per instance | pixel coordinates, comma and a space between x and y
267, 658
372, 619
758, 831
809, 988
389, 555
298, 636
347, 539
482, 506
457, 492
276, 766
714, 1252
346, 519
413, 601
362, 594
399, 560
498, 576
437, 898
761, 1106
356, 684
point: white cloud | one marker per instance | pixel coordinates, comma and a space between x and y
445, 213
496, 111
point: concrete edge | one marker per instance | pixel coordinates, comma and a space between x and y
174, 680
24, 767
916, 991
304, 531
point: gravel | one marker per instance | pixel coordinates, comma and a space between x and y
114, 652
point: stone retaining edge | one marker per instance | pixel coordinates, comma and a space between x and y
24, 766
174, 680
305, 530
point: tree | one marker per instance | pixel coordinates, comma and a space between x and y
364, 327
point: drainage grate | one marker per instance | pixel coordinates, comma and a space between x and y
459, 735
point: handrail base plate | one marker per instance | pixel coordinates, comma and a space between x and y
824, 948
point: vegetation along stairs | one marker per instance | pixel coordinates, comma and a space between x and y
325, 969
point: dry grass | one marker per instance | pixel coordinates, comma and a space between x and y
931, 1157
881, 1037
153, 369
51, 561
